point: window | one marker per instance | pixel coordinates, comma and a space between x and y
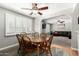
17, 23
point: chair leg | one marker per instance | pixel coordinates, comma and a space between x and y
18, 50
46, 52
50, 52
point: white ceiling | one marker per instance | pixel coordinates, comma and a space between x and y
52, 7
65, 18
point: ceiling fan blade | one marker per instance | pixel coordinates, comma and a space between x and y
62, 21
43, 8
31, 13
39, 13
26, 8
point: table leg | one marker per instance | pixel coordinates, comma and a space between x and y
37, 50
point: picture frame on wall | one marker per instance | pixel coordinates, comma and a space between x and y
43, 26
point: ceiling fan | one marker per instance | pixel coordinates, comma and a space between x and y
35, 8
61, 21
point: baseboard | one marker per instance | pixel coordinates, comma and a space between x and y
10, 46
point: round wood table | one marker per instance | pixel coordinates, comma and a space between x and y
37, 42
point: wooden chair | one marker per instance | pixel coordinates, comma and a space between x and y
29, 46
20, 43
24, 46
43, 36
42, 45
46, 46
36, 34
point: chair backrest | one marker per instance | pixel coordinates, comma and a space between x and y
19, 38
43, 36
49, 41
27, 42
23, 34
23, 43
36, 34
27, 38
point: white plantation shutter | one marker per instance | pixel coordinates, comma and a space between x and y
17, 24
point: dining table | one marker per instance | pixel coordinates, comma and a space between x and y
37, 41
